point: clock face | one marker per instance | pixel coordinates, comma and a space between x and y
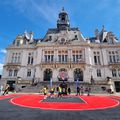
62, 41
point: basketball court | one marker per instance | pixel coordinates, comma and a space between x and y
36, 106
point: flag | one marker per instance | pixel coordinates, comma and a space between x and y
51, 83
77, 83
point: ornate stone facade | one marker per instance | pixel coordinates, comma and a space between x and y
63, 54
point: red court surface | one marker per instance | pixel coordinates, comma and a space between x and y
90, 102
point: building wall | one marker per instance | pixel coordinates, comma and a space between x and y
89, 68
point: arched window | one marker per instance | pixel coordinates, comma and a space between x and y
78, 74
47, 74
30, 58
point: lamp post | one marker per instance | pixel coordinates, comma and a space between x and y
91, 78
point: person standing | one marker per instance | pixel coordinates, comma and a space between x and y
69, 90
82, 90
78, 91
88, 90
59, 91
7, 87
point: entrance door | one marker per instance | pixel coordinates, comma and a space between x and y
117, 86
78, 75
47, 74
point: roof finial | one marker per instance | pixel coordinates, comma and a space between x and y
63, 9
103, 27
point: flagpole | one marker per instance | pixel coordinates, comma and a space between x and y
76, 83
51, 83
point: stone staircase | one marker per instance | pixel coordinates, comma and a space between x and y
95, 89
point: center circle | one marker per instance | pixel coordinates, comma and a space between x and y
66, 103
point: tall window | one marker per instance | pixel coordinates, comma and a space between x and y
98, 73
15, 72
113, 56
119, 72
16, 57
48, 56
114, 73
77, 55
97, 58
28, 72
10, 72
30, 58
63, 56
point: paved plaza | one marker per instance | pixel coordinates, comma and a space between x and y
37, 107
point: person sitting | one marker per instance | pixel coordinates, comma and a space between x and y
52, 92
45, 91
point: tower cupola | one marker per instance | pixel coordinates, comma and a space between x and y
63, 20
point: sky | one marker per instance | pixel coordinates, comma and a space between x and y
17, 16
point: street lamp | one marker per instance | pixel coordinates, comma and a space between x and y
91, 78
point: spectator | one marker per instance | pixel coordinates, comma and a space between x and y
7, 87
69, 90
78, 91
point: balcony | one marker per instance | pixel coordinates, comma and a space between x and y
12, 64
58, 64
78, 62
114, 63
63, 62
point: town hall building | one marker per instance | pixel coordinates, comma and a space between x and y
64, 54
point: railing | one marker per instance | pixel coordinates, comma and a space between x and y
73, 62
11, 63
112, 63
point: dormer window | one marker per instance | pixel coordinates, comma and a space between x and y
24, 42
76, 37
18, 43
50, 37
110, 40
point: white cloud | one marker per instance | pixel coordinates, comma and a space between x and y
3, 51
34, 10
